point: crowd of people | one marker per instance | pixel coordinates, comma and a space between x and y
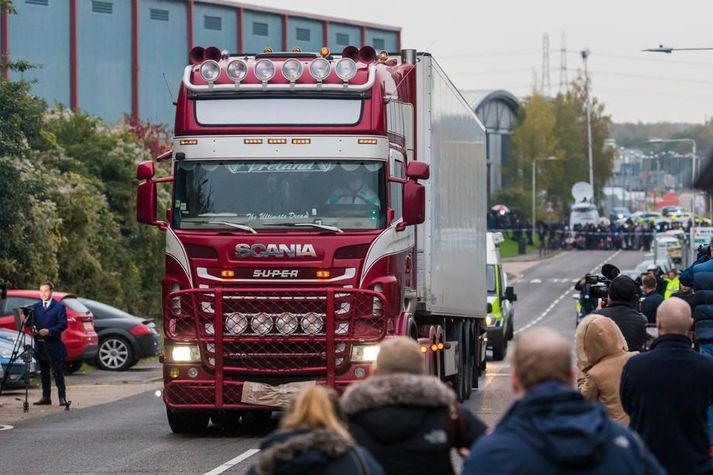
625, 404
627, 235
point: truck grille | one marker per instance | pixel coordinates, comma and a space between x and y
275, 332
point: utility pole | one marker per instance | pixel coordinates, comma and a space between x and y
585, 55
546, 85
563, 64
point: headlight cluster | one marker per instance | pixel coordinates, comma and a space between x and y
285, 323
365, 353
183, 353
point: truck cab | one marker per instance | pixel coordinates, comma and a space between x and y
500, 319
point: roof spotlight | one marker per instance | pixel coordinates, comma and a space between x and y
264, 70
319, 69
237, 70
292, 69
346, 69
210, 70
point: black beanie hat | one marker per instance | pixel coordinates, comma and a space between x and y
623, 289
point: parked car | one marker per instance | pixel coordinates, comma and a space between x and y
80, 338
669, 211
123, 338
668, 244
663, 261
16, 372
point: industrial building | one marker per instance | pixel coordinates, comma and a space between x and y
116, 57
497, 110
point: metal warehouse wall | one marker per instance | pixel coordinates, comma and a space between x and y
116, 57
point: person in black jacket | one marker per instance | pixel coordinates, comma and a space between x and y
551, 429
50, 321
409, 421
652, 299
621, 307
313, 440
667, 391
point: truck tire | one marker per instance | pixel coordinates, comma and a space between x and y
511, 328
186, 422
459, 380
500, 346
469, 359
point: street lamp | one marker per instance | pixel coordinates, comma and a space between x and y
693, 165
534, 184
585, 55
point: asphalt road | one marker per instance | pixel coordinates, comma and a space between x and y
132, 436
543, 294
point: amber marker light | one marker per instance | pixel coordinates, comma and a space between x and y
323, 274
324, 52
440, 346
301, 141
383, 56
188, 142
252, 141
434, 347
227, 273
276, 141
367, 142
267, 50
424, 349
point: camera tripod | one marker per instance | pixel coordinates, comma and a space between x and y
23, 348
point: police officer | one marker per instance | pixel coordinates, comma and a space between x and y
50, 322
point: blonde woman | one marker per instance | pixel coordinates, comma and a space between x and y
601, 356
313, 440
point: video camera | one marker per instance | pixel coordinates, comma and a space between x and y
596, 286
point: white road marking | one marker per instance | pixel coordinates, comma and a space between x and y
5, 427
565, 294
233, 462
536, 281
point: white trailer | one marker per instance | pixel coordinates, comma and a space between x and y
451, 243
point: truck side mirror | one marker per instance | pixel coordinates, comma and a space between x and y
145, 170
146, 202
414, 200
490, 307
418, 171
510, 294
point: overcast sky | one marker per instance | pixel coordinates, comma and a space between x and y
498, 44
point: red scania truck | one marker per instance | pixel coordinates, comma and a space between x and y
320, 203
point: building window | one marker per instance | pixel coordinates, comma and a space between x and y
212, 23
260, 29
342, 39
303, 34
105, 8
39, 3
379, 44
159, 15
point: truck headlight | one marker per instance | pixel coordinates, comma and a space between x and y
489, 320
364, 353
346, 69
184, 353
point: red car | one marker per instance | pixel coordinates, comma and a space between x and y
80, 338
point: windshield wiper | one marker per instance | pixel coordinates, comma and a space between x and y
242, 227
326, 227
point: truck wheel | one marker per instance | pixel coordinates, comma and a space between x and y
186, 423
500, 347
229, 420
511, 328
459, 379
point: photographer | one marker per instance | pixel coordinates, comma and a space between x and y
621, 307
50, 320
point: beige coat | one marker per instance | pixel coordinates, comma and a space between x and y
601, 356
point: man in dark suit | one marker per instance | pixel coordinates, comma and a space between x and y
50, 322
667, 391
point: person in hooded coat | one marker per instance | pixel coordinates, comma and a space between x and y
313, 440
408, 420
622, 307
551, 429
601, 355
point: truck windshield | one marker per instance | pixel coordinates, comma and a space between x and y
490, 278
348, 195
